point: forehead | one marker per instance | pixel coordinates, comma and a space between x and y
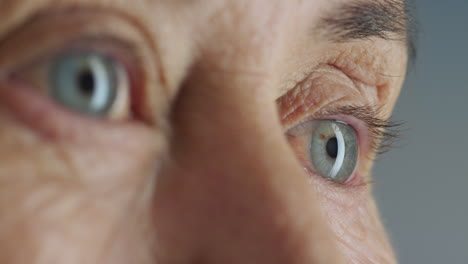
242, 22
246, 32
192, 12
209, 14
214, 25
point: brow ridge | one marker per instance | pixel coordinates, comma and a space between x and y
364, 19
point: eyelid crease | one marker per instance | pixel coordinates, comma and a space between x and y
36, 73
110, 32
379, 134
383, 132
78, 28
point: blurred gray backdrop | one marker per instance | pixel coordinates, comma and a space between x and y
422, 187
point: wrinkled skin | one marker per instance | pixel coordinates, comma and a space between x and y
204, 173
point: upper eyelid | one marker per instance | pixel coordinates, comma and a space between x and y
105, 45
44, 25
326, 86
336, 114
375, 133
358, 179
365, 121
97, 30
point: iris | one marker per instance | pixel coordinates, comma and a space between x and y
334, 150
84, 82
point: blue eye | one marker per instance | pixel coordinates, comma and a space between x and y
84, 82
334, 150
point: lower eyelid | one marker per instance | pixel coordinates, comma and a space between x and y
356, 180
301, 148
135, 107
31, 108
106, 31
37, 113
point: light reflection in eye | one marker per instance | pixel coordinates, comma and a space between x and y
86, 82
332, 148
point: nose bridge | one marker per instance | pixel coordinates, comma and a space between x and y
234, 185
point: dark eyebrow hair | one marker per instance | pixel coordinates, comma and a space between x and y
363, 19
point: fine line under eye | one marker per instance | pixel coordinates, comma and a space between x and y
383, 133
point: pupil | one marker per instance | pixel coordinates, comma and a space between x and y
332, 147
86, 83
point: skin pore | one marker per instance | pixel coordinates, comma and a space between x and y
197, 164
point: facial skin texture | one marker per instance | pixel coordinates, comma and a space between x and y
203, 173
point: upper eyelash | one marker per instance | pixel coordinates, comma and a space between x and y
383, 132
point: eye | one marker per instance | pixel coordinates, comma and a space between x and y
334, 150
94, 79
102, 69
86, 82
330, 148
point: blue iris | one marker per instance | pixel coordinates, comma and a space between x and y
334, 150
84, 82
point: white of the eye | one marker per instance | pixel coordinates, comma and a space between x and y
341, 151
101, 83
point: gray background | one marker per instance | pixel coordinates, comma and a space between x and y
422, 187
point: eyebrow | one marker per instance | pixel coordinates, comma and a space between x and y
362, 19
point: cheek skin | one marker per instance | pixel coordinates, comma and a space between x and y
352, 216
93, 192
350, 210
354, 219
71, 191
234, 192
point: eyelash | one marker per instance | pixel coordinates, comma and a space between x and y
375, 135
383, 133
119, 52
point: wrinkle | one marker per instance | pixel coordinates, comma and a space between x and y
324, 87
361, 234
